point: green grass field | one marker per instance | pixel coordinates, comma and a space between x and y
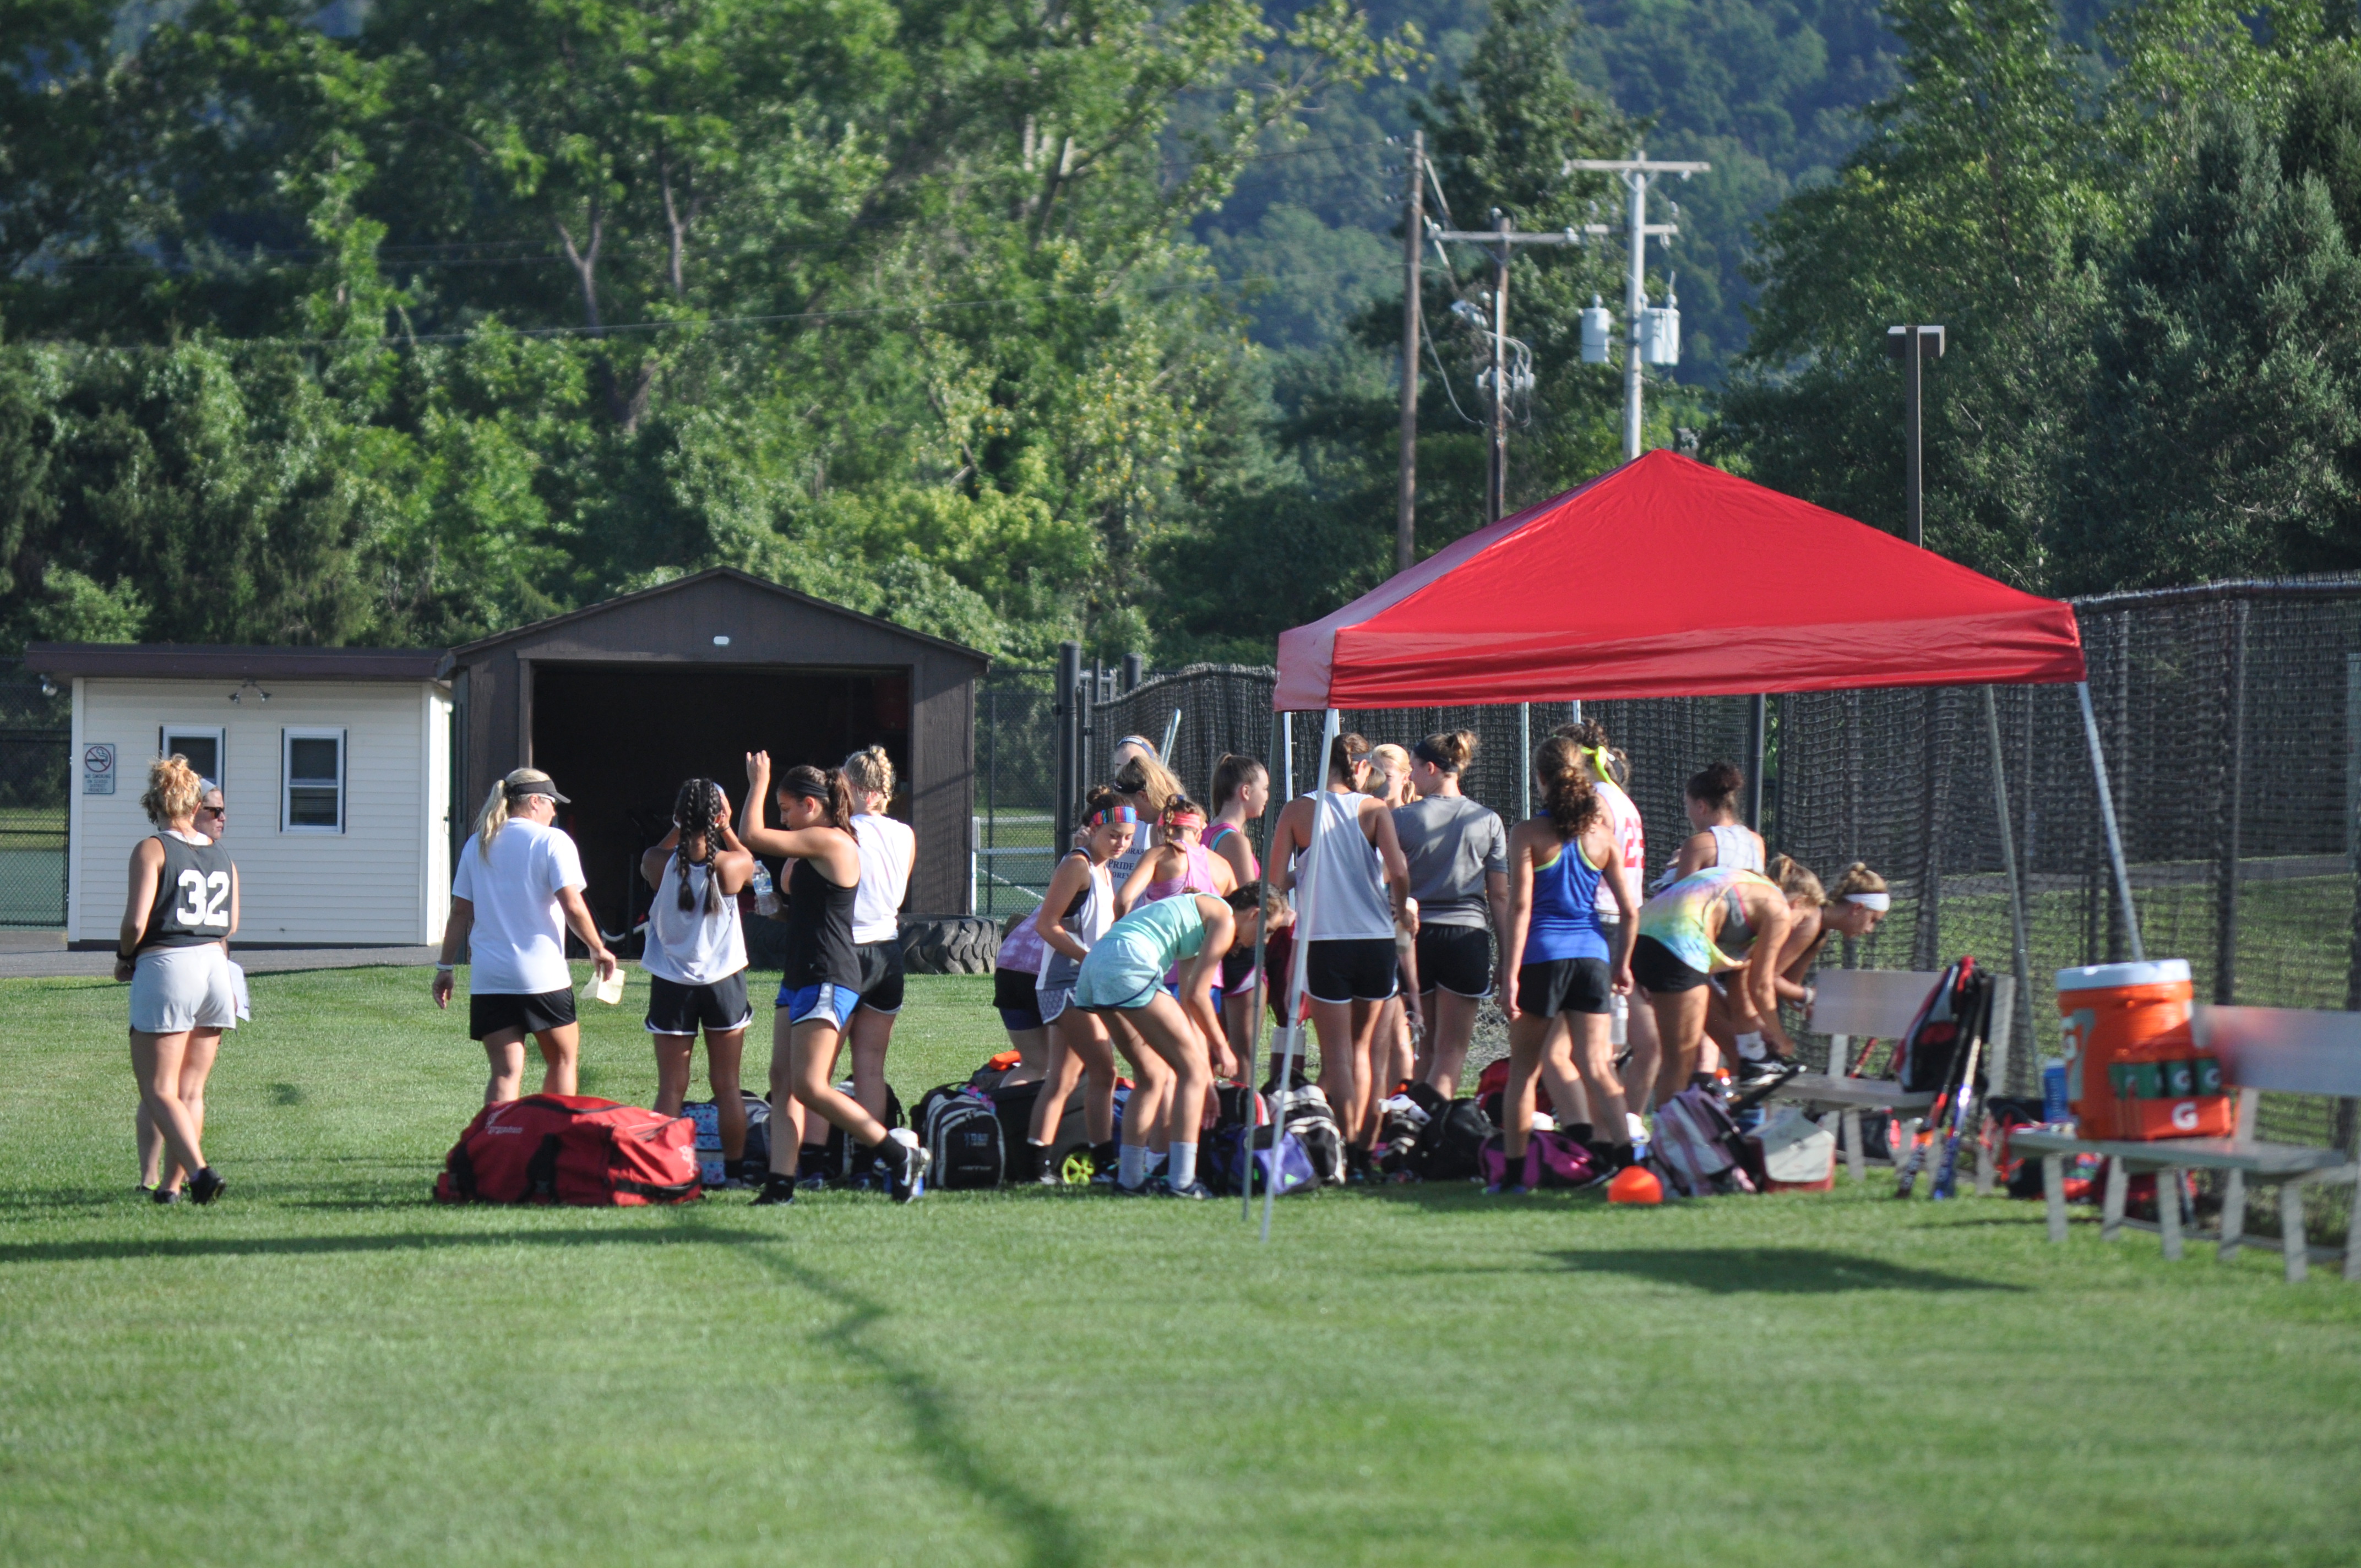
325, 1368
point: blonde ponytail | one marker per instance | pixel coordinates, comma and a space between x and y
501, 802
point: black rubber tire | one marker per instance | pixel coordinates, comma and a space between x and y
952, 944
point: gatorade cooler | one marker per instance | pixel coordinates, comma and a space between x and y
2133, 1068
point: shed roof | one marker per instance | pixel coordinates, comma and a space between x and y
682, 585
205, 661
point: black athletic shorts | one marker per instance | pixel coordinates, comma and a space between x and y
1653, 968
1355, 969
1564, 985
881, 975
1237, 968
1016, 993
491, 1014
1457, 959
718, 1008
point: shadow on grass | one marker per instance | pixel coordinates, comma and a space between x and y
18, 1253
1050, 1538
1777, 1271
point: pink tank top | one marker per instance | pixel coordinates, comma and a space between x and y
1254, 862
1197, 878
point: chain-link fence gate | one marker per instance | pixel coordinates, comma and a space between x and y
36, 765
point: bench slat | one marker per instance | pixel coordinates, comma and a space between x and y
1869, 1001
1869, 1094
2188, 1153
2293, 1050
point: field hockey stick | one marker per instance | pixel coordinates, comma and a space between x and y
1946, 1170
1923, 1139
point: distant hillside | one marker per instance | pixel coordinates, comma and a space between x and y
1763, 90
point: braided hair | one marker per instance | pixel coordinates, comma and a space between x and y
696, 812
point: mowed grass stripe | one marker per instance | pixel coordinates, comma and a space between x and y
328, 1367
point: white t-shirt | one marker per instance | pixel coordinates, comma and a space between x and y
887, 848
518, 945
1631, 837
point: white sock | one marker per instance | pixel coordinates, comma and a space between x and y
1131, 1164
1750, 1046
1184, 1166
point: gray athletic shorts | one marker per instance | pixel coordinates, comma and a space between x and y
175, 989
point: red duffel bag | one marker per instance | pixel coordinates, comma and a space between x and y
567, 1149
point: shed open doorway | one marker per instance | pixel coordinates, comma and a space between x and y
621, 740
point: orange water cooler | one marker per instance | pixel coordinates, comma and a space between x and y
2133, 1068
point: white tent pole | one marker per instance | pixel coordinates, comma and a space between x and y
1298, 971
1278, 739
2107, 820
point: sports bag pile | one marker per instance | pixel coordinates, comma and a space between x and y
569, 1148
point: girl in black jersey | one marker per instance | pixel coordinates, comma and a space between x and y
821, 984
174, 949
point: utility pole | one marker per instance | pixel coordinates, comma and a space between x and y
1635, 173
1503, 239
1413, 240
1908, 344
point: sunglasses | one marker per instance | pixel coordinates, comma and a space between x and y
212, 811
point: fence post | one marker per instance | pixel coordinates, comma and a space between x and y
1757, 726
2225, 892
1134, 668
1064, 700
1928, 941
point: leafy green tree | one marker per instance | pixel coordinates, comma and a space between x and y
2220, 437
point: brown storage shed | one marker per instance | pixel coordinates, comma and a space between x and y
622, 701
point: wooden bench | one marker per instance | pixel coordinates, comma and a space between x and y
1883, 1005
2288, 1050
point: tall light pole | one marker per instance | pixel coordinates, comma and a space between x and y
1908, 344
1635, 173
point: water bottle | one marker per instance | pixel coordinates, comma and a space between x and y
766, 895
1618, 1029
2053, 1091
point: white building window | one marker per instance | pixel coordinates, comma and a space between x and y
313, 768
202, 746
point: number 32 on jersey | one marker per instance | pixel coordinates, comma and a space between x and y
204, 900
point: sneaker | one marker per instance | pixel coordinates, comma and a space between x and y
910, 1182
810, 1182
1144, 1189
1770, 1069
1197, 1190
207, 1186
1506, 1190
162, 1194
777, 1190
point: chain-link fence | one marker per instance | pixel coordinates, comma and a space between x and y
2231, 717
36, 742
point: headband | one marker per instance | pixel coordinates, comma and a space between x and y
1427, 752
1877, 901
526, 791
1185, 819
805, 788
1598, 755
1112, 814
1141, 742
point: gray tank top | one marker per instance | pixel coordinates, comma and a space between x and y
191, 903
1341, 889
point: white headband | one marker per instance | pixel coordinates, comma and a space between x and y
1877, 901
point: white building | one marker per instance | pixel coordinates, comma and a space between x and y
335, 763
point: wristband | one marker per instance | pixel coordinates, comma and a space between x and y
445, 969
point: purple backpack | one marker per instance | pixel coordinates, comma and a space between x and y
1552, 1159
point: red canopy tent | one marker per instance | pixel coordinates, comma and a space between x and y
1667, 578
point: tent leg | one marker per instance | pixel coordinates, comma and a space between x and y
2023, 949
1299, 972
1278, 739
1525, 760
2107, 820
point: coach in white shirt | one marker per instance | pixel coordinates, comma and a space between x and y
518, 887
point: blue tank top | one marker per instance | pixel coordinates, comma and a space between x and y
1566, 910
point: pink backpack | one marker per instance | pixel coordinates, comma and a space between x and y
1552, 1159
